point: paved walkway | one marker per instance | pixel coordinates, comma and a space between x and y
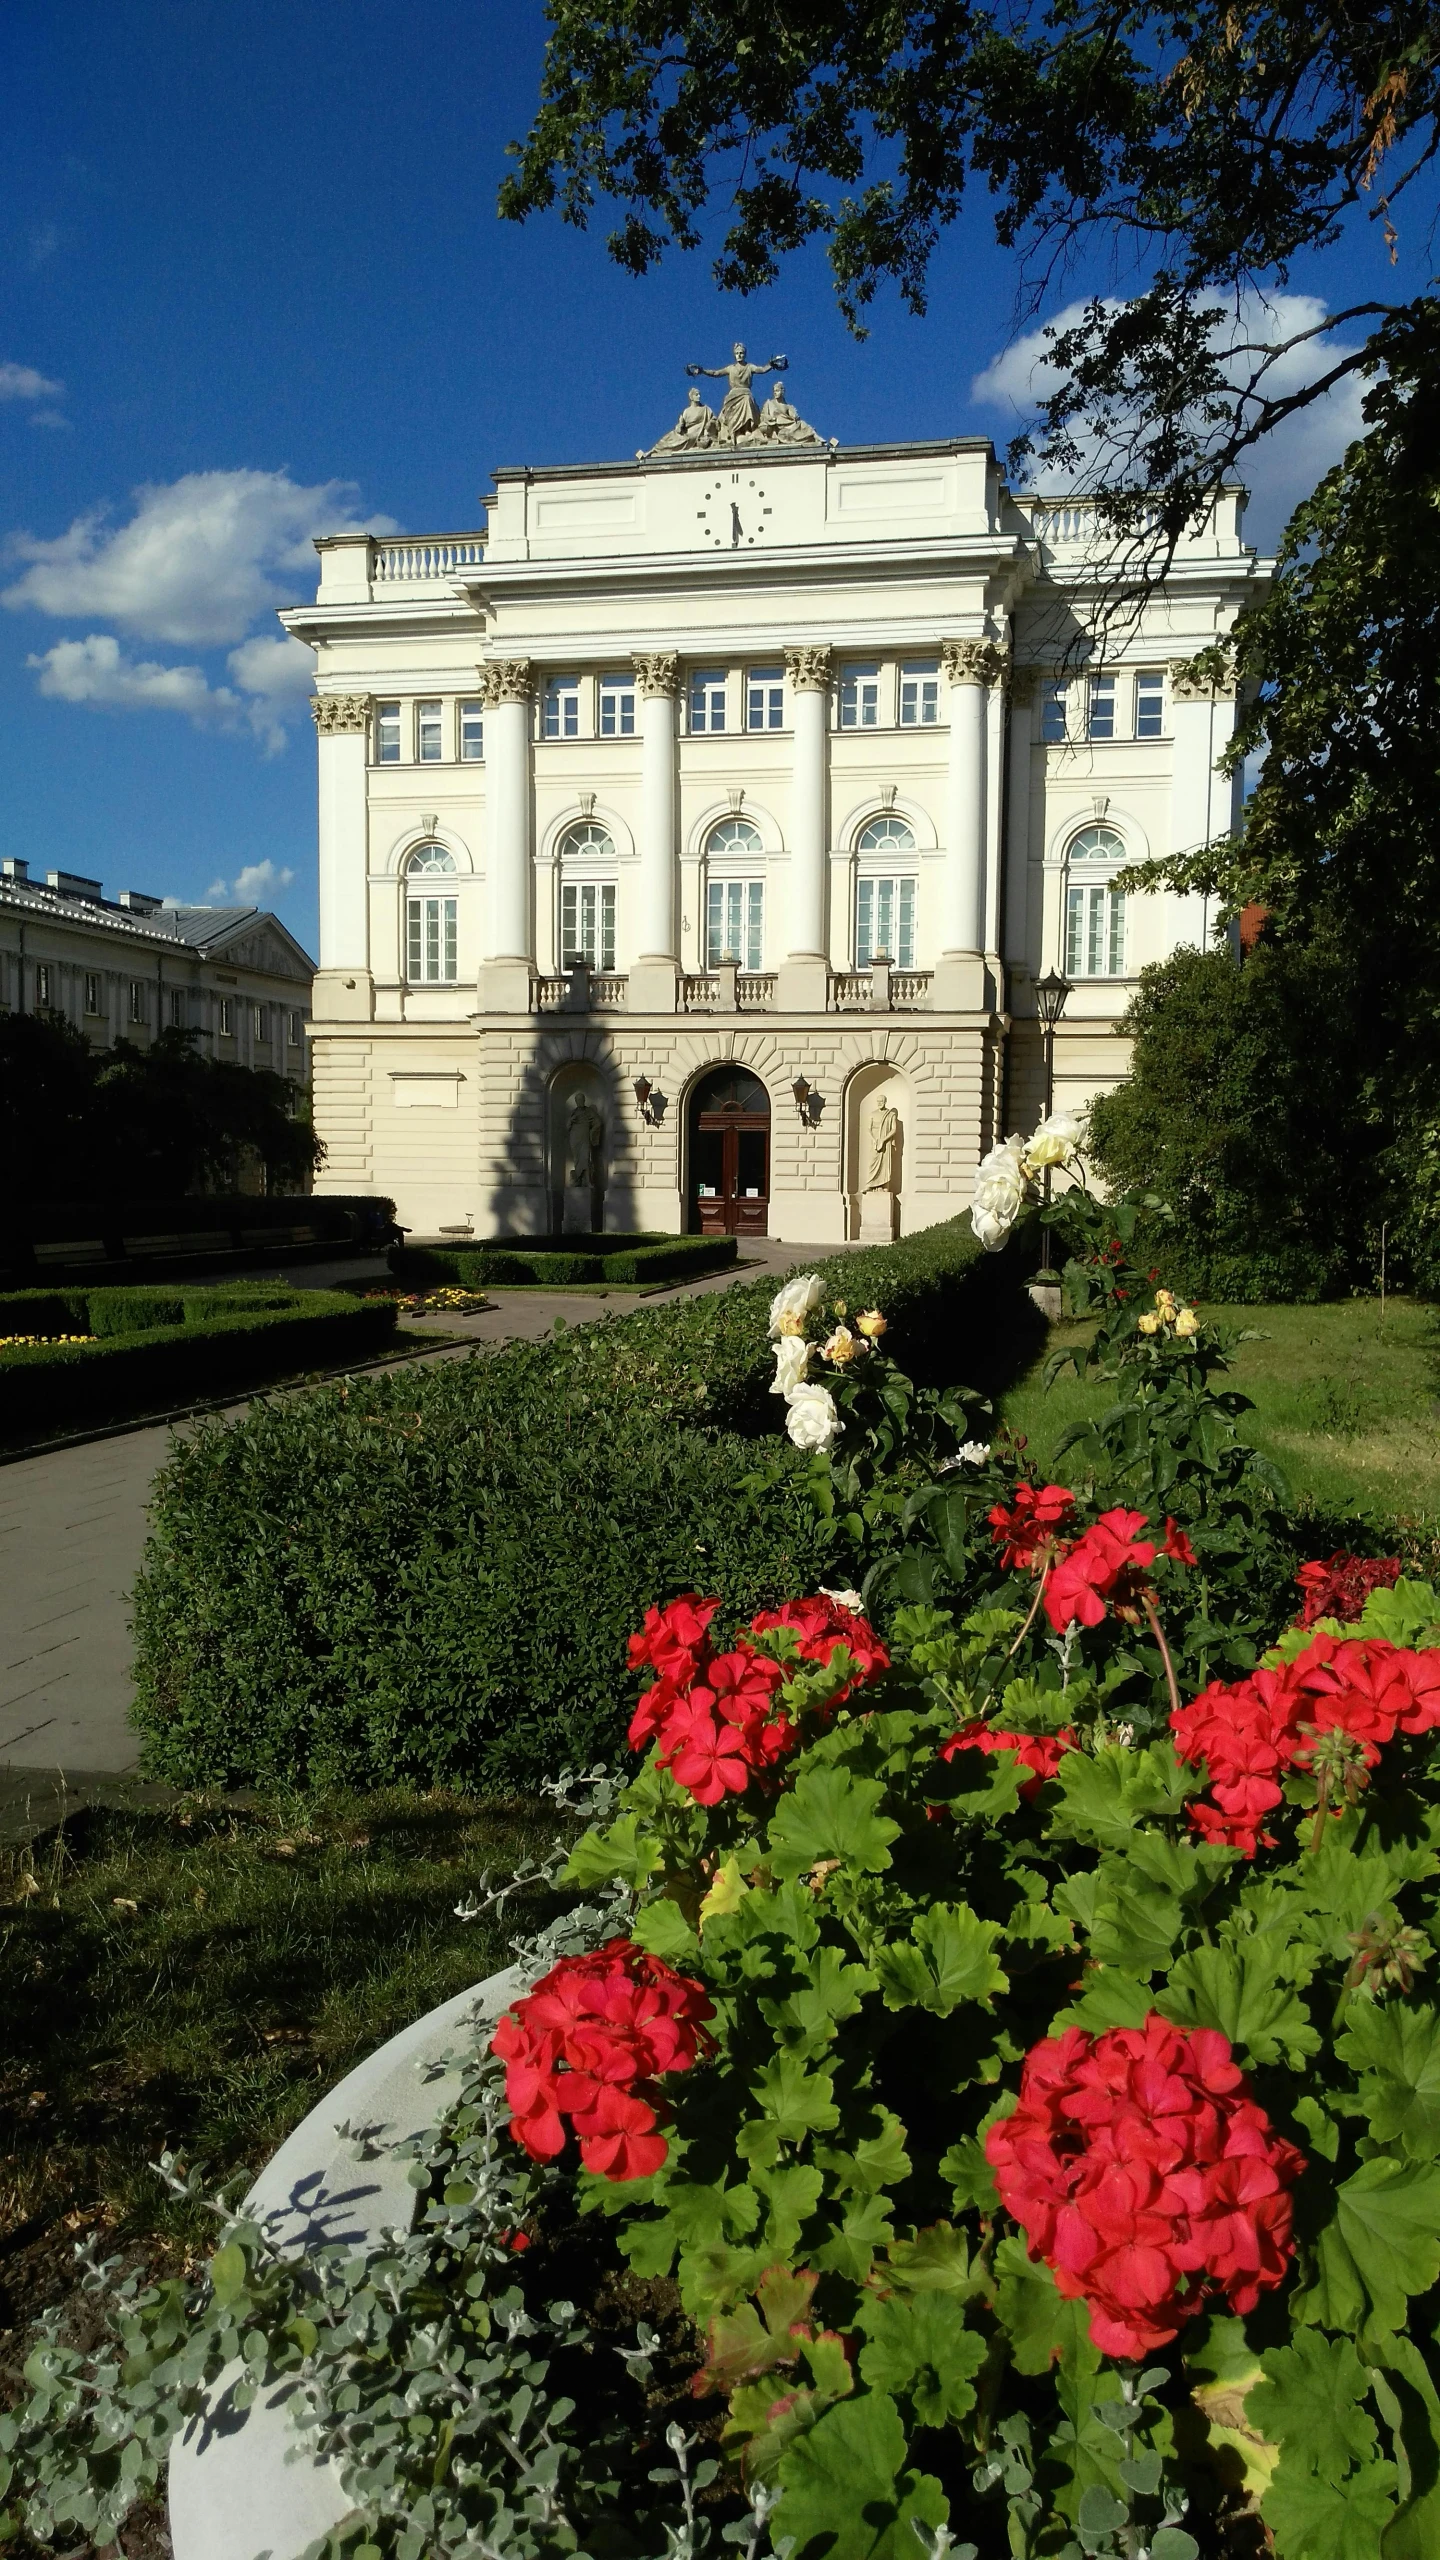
72, 1530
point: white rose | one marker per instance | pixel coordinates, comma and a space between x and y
792, 1359
993, 1232
797, 1300
812, 1419
1056, 1141
844, 1599
973, 1453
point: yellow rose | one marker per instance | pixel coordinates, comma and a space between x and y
1165, 1302
1150, 1324
841, 1347
791, 1324
1186, 1323
872, 1325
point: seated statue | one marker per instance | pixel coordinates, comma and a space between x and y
693, 431
781, 424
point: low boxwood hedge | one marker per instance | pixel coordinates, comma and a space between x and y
558, 1262
430, 1577
153, 1347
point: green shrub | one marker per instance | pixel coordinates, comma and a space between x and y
51, 1384
43, 1311
127, 1310
432, 1576
551, 1262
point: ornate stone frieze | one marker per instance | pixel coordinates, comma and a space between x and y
809, 670
507, 680
657, 672
1191, 682
973, 662
340, 715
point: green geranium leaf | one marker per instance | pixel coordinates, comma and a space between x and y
831, 1814
1106, 1795
1248, 1991
806, 2021
1043, 2328
663, 1930
865, 2234
1382, 2242
619, 1852
969, 2176
794, 2102
1397, 2050
935, 2261
1314, 2520
1407, 1614
948, 1958
790, 2195
1309, 2403
869, 2161
919, 2349
846, 2494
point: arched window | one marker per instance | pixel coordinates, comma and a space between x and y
1094, 912
586, 854
885, 897
734, 895
430, 919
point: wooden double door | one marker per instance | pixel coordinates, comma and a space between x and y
730, 1155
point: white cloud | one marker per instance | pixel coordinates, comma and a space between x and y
197, 563
283, 671
1278, 471
260, 880
95, 671
22, 382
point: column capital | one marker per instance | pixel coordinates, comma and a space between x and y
657, 672
973, 662
810, 670
340, 715
1194, 680
507, 680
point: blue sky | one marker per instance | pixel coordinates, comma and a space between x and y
253, 286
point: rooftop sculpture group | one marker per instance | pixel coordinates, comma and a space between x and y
740, 425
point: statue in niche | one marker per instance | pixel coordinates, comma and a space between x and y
693, 431
738, 413
584, 1138
780, 424
882, 1138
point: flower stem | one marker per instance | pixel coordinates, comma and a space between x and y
1159, 1634
1025, 1630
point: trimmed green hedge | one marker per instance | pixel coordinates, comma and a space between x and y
554, 1263
430, 1578
159, 1347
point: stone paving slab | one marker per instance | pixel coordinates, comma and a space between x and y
72, 1531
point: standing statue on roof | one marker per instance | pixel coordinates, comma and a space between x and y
738, 413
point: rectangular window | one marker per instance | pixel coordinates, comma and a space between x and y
1102, 707
562, 707
885, 923
42, 983
431, 940
387, 732
860, 698
919, 697
1094, 932
177, 1009
1052, 715
765, 698
137, 1001
1150, 703
587, 923
472, 732
92, 991
227, 1018
296, 1020
429, 732
707, 701
257, 1021
735, 924
617, 706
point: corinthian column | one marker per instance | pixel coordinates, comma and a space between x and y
655, 970
343, 987
806, 976
507, 686
970, 668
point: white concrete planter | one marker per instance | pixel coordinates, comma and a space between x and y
233, 2494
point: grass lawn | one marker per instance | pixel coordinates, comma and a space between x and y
1346, 1405
196, 1978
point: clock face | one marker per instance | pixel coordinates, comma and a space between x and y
733, 512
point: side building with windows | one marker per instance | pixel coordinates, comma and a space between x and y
719, 800
127, 968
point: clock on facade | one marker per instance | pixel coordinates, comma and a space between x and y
734, 511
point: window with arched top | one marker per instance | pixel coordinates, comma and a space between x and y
885, 896
431, 919
885, 835
1094, 911
734, 895
586, 856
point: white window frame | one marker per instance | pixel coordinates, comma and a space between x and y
387, 733
734, 920
1150, 698
587, 919
560, 707
1054, 713
93, 1005
42, 981
136, 1008
885, 905
1100, 709
296, 1035
472, 732
617, 706
708, 707
764, 698
920, 694
257, 1023
227, 1017
177, 1009
432, 918
1096, 923
860, 694
430, 731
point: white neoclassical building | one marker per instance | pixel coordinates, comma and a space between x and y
703, 804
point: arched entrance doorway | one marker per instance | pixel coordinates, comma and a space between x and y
729, 1155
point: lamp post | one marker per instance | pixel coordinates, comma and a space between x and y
1051, 995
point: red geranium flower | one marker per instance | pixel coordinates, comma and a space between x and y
589, 2043
1042, 1753
822, 1626
1249, 1733
1027, 1532
1340, 1587
673, 1640
1141, 2170
1107, 1563
1177, 1545
714, 1715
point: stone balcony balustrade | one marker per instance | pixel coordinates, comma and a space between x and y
881, 989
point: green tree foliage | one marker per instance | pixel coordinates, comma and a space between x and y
1209, 143
83, 1123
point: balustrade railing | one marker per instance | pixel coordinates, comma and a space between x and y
699, 995
755, 990
607, 990
850, 991
909, 989
436, 555
550, 994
